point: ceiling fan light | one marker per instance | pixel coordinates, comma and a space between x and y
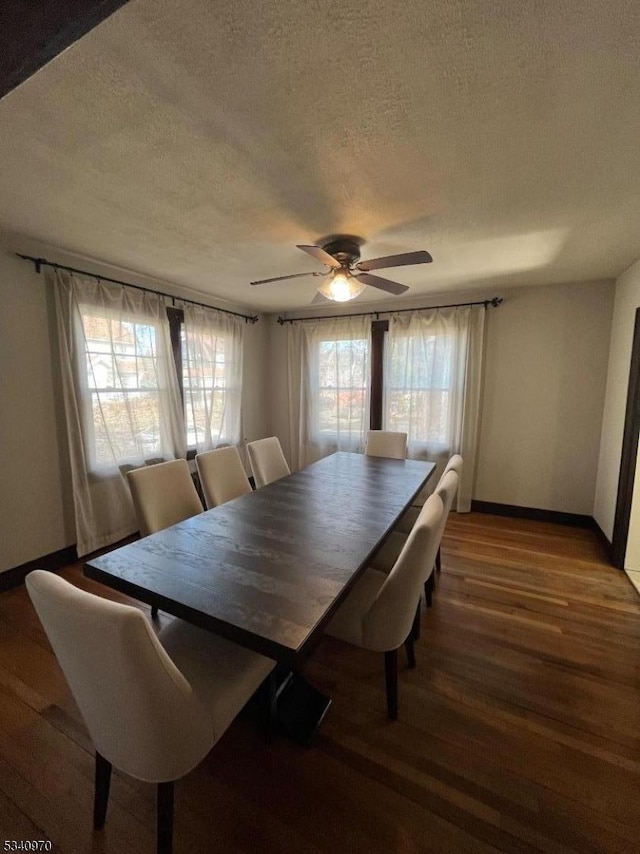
342, 287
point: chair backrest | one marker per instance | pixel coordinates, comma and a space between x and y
455, 463
267, 461
390, 618
222, 475
386, 443
163, 495
446, 489
138, 707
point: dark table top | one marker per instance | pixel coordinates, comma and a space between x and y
268, 569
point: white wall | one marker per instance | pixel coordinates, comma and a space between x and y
34, 494
627, 300
546, 363
36, 503
255, 423
278, 385
545, 372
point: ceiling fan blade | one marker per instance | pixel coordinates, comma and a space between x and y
319, 254
383, 284
282, 278
403, 260
319, 298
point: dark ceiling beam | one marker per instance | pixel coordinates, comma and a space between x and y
33, 32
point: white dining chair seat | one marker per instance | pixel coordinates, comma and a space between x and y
223, 676
347, 623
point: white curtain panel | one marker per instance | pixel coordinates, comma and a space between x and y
433, 376
121, 398
212, 377
329, 372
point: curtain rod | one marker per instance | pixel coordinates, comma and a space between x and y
42, 262
494, 303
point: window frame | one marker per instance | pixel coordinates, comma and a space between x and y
379, 328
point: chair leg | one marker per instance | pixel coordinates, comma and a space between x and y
428, 590
438, 561
101, 794
415, 629
411, 653
165, 818
154, 612
391, 678
270, 701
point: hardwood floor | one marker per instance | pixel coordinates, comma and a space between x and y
518, 731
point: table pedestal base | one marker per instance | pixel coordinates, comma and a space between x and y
301, 709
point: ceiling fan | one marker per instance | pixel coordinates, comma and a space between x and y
348, 276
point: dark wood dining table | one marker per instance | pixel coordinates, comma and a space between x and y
268, 569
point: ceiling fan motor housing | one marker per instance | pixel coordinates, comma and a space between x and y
346, 250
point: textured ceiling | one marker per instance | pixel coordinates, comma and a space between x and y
197, 142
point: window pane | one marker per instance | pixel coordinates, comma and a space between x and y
423, 415
126, 426
419, 372
205, 375
122, 380
342, 388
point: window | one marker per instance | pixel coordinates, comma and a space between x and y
211, 376
418, 387
409, 373
125, 383
329, 386
138, 379
124, 376
122, 394
342, 386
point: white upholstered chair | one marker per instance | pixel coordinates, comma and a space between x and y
455, 464
222, 475
408, 519
380, 611
385, 558
386, 443
267, 461
154, 706
163, 495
